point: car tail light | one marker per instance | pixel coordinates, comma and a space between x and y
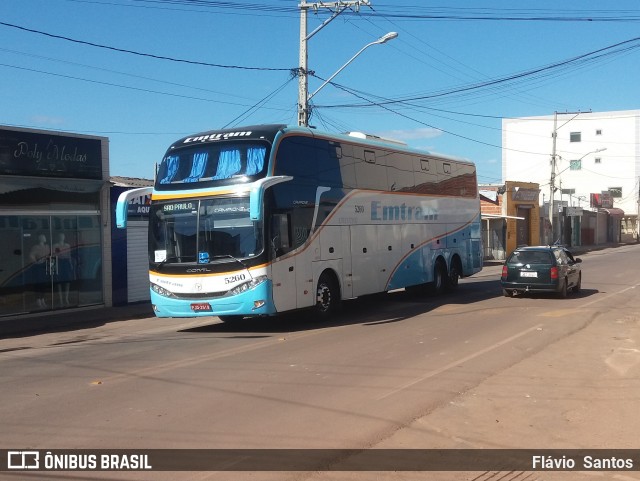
505, 271
554, 273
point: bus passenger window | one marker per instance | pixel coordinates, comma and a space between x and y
228, 164
169, 168
280, 239
199, 163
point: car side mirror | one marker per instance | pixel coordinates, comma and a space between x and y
578, 260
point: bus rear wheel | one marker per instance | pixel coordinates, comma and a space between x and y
439, 283
455, 272
327, 297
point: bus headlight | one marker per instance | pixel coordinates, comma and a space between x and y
256, 281
161, 291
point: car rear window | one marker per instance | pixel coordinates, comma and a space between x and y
530, 257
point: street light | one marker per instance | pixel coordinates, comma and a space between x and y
553, 186
384, 39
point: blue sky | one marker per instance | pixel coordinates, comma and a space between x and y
455, 70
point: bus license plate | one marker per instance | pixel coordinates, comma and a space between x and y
528, 274
201, 307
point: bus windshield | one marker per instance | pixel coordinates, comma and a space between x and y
203, 231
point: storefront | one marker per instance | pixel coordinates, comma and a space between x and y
523, 214
54, 232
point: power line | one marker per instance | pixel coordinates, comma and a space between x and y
406, 12
460, 136
590, 56
127, 74
110, 84
258, 104
142, 54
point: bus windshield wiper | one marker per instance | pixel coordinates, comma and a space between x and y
162, 263
220, 256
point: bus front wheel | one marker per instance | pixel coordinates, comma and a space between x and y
327, 297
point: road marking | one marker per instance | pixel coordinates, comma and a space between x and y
453, 364
559, 312
610, 295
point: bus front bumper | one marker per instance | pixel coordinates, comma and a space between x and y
253, 302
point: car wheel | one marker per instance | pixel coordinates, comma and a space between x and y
562, 293
578, 286
327, 297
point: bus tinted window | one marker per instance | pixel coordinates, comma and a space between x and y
310, 160
297, 156
328, 156
371, 171
400, 172
457, 179
347, 166
330, 163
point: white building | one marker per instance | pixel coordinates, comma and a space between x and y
597, 163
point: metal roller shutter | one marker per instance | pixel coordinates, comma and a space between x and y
137, 262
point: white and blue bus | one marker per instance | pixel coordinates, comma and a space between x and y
265, 219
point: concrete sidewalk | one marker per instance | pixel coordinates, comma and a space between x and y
67, 320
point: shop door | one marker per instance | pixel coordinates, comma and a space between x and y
12, 266
523, 234
37, 259
50, 262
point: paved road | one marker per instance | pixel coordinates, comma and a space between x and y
472, 370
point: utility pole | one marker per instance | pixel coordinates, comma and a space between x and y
303, 74
554, 157
303, 79
552, 183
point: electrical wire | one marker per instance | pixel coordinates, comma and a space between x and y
590, 56
258, 104
142, 54
138, 89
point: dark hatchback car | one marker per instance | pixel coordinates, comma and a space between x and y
541, 269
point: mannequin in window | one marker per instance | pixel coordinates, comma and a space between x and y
64, 273
39, 256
